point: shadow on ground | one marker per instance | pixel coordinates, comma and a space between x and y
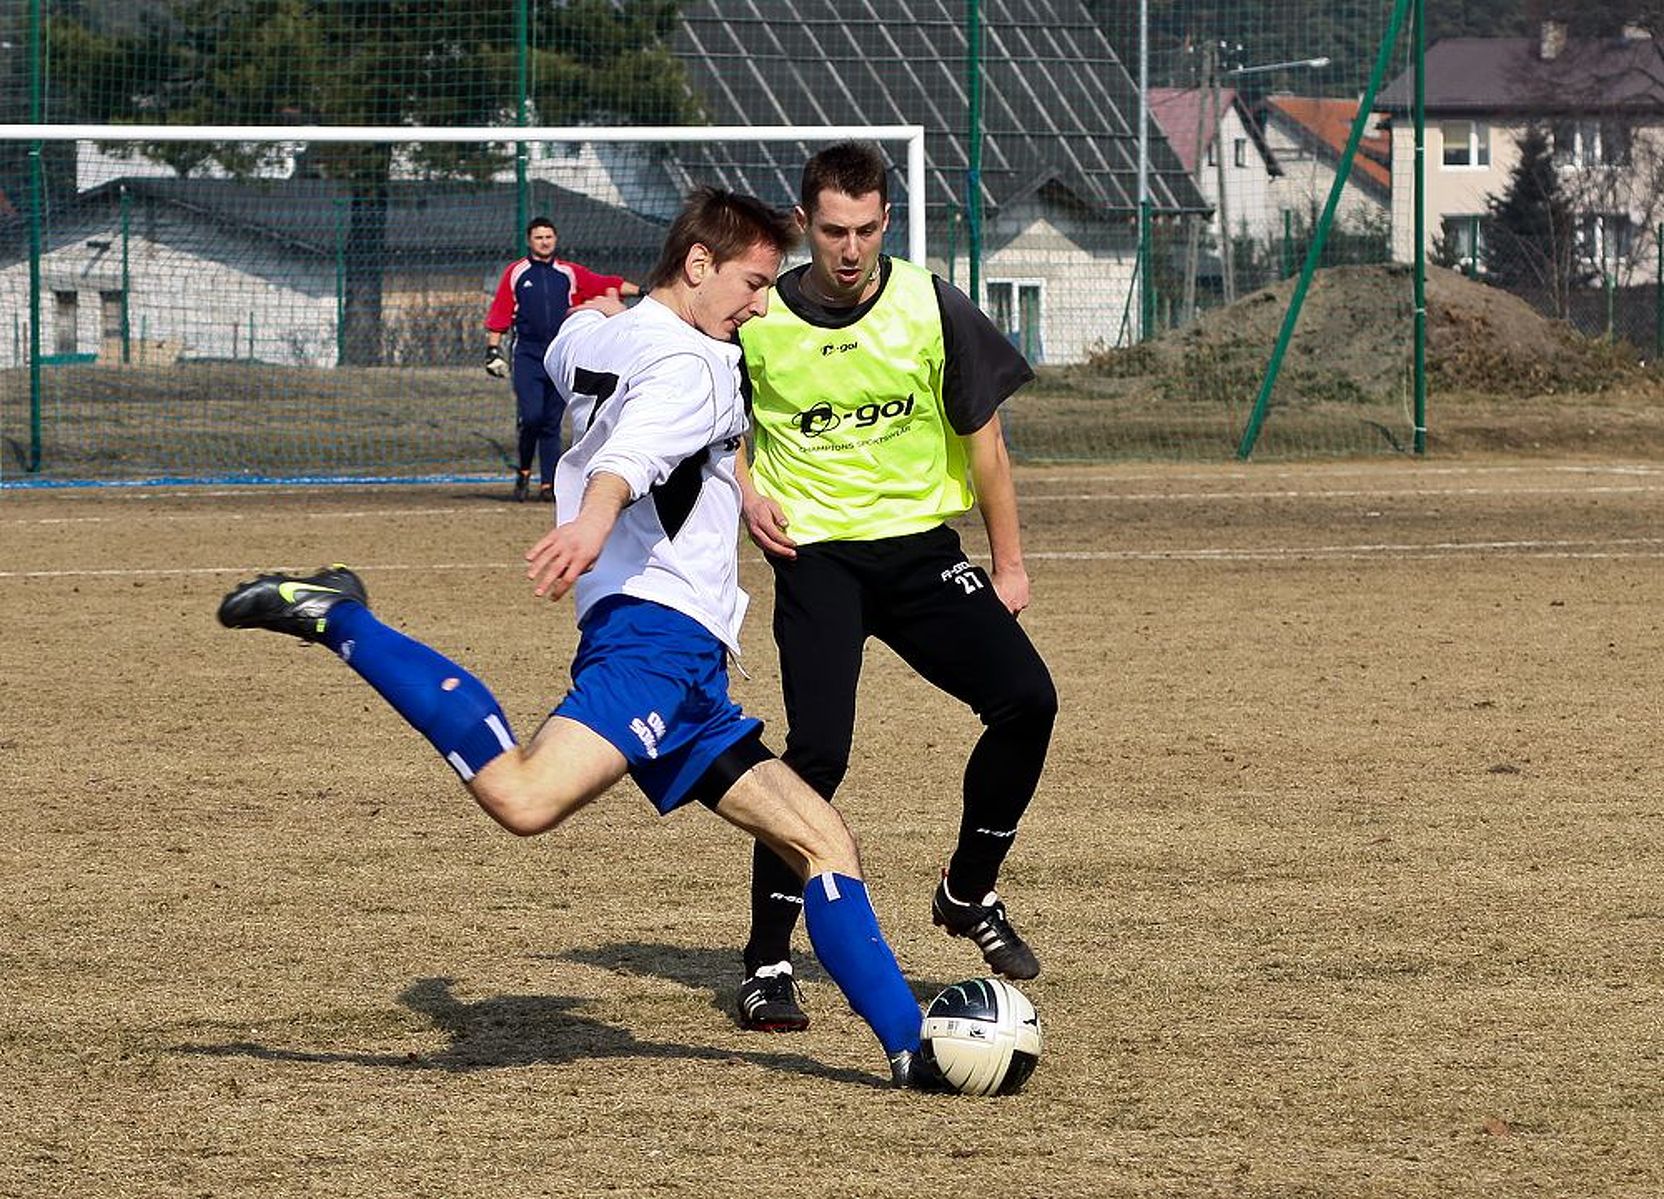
522, 1030
715, 970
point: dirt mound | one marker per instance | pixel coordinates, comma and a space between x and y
1353, 341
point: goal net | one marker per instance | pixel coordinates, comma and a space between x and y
243, 304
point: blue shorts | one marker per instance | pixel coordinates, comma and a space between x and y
654, 683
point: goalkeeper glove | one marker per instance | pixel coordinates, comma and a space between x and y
495, 364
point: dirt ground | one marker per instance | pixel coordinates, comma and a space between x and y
1344, 871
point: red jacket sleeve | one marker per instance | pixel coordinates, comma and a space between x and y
499, 318
590, 284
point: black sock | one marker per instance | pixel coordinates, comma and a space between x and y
776, 903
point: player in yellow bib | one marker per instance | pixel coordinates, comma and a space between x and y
875, 395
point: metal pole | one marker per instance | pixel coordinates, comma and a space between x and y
37, 206
126, 278
340, 284
1658, 298
954, 220
1314, 252
1288, 242
1227, 259
521, 43
1418, 36
973, 139
1146, 293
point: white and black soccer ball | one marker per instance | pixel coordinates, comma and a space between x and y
983, 1036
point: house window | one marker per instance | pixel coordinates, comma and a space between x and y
1239, 152
1590, 144
1015, 307
1605, 238
66, 313
1464, 239
1213, 154
1466, 144
109, 315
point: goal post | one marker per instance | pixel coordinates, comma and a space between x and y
243, 303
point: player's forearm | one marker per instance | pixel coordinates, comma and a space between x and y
605, 496
742, 471
996, 494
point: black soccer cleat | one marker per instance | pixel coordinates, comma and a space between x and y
522, 483
768, 1002
294, 604
912, 1070
987, 924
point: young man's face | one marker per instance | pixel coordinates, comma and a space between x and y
541, 242
725, 297
846, 234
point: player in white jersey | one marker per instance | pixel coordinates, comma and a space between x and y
647, 519
676, 549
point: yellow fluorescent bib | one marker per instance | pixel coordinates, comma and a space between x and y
851, 439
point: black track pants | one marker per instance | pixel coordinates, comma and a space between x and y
921, 597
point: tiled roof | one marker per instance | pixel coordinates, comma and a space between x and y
426, 221
1326, 124
1508, 75
1058, 105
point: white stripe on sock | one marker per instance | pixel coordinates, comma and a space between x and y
829, 883
504, 737
461, 767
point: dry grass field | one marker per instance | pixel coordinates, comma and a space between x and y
1345, 870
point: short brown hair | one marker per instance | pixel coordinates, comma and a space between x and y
725, 223
848, 168
541, 222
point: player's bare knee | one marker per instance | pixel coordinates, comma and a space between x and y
507, 797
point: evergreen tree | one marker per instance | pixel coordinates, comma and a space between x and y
1530, 231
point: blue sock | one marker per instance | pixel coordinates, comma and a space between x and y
442, 701
845, 934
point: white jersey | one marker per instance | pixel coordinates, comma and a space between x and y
657, 403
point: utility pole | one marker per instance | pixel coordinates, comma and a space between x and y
1227, 261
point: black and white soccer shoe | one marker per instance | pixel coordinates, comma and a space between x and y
987, 924
911, 1070
294, 604
768, 1001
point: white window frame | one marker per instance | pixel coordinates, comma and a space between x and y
1477, 145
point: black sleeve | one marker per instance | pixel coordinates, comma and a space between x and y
981, 369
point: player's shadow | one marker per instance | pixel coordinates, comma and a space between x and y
713, 970
521, 1030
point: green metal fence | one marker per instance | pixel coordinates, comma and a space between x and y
1138, 195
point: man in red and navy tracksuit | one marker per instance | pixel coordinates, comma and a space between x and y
533, 298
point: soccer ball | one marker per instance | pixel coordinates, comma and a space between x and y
983, 1036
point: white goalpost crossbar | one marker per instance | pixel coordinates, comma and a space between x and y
912, 135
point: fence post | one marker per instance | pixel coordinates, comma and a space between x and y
1658, 298
126, 278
